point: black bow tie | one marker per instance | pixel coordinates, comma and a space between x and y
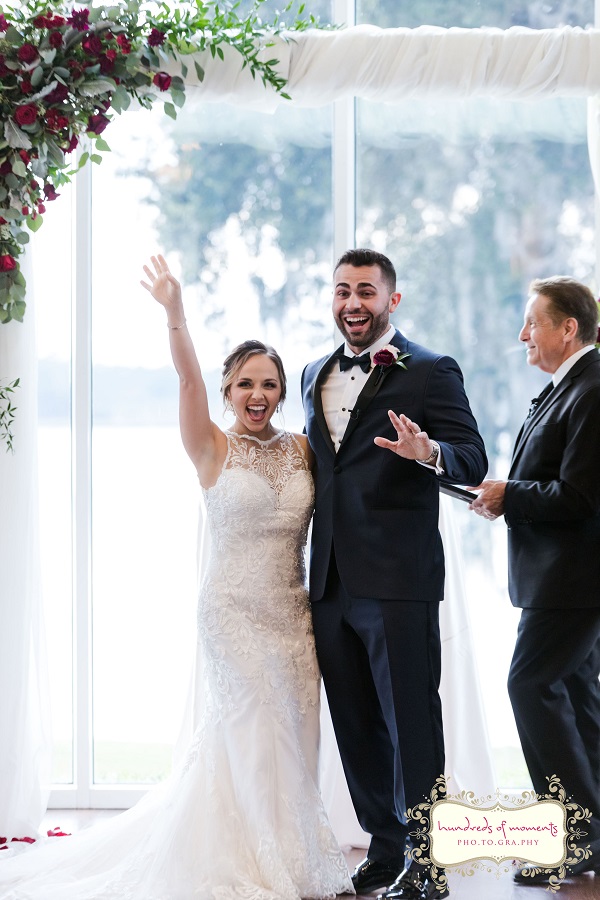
537, 400
346, 362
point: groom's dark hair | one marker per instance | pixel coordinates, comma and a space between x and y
363, 257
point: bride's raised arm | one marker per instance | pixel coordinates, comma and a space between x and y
204, 442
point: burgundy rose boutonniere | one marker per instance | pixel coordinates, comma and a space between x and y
387, 357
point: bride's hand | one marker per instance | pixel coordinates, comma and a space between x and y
163, 286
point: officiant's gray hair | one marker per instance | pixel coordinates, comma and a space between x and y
570, 299
238, 358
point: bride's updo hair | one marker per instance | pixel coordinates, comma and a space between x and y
238, 358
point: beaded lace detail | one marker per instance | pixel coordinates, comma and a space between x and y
275, 460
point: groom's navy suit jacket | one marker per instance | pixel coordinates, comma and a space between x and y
552, 499
377, 510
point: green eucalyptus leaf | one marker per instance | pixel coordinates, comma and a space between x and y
170, 110
37, 76
34, 224
19, 168
15, 137
97, 87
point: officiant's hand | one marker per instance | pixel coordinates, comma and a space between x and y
412, 443
490, 501
165, 289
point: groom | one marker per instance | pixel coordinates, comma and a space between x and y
377, 563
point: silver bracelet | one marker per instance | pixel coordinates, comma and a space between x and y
176, 327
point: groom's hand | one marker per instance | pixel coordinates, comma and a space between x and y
412, 443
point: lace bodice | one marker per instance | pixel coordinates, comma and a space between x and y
257, 516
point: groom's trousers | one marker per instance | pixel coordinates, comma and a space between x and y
381, 662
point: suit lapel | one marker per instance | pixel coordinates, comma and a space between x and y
533, 419
588, 359
317, 400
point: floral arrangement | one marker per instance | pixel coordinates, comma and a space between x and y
65, 69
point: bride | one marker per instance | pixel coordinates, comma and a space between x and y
242, 818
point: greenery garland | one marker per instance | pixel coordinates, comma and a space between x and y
63, 68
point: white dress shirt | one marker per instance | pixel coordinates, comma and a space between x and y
340, 390
562, 370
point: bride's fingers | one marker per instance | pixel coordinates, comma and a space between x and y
150, 274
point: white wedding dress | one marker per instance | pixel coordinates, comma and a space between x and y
242, 817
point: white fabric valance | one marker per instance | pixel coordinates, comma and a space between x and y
392, 64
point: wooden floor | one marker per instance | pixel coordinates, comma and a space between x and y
480, 886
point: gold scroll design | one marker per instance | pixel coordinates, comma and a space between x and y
575, 817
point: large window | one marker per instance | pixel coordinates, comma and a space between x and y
471, 199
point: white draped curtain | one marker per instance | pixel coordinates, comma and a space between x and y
24, 731
321, 67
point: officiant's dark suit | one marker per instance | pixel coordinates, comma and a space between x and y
551, 505
377, 564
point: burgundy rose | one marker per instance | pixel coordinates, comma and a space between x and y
57, 21
97, 123
26, 86
124, 44
92, 45
156, 38
50, 192
41, 207
24, 156
79, 19
7, 263
56, 39
2, 222
3, 23
106, 63
27, 53
72, 144
384, 358
162, 81
60, 93
55, 121
26, 115
5, 168
76, 68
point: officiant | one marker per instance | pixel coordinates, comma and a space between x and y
551, 505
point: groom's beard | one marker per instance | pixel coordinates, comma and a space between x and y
379, 325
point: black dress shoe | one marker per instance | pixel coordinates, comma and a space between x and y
414, 884
370, 875
528, 875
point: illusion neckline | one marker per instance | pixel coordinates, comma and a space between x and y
252, 437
